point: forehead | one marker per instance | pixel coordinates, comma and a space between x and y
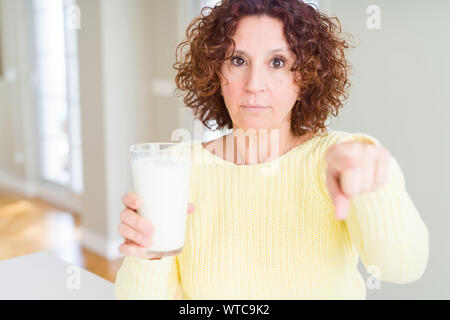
260, 33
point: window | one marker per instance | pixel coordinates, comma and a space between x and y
314, 3
209, 3
57, 93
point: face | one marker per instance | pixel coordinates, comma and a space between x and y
257, 75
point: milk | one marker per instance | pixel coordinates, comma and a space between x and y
163, 187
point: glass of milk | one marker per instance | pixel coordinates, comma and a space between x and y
161, 176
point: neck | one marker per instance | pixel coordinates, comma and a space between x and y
253, 146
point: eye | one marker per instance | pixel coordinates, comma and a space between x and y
238, 61
236, 58
279, 63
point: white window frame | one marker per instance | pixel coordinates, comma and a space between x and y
75, 184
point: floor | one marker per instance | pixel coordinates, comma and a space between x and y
29, 225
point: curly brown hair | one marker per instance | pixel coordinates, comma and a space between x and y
311, 35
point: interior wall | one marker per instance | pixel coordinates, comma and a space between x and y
11, 83
400, 95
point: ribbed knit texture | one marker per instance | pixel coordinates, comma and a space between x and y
268, 231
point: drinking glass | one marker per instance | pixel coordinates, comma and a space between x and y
161, 173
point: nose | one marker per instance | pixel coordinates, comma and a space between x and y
255, 79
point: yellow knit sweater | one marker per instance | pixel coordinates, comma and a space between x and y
268, 231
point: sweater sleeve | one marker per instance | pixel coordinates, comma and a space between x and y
386, 228
147, 279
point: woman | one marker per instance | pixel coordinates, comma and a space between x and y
273, 71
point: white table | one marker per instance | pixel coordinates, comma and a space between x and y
42, 275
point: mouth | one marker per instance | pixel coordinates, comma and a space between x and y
255, 108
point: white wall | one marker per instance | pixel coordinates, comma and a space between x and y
400, 94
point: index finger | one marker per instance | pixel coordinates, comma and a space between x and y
340, 201
132, 200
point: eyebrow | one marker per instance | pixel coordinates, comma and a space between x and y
271, 51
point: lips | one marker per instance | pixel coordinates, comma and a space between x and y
255, 108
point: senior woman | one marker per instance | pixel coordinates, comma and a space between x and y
275, 70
